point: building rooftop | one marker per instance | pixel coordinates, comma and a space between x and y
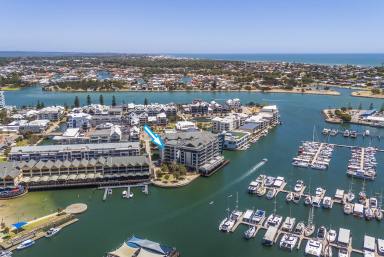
73, 147
189, 139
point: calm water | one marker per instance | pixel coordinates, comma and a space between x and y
327, 59
183, 217
371, 59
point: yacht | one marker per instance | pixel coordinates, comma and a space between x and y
289, 197
308, 200
271, 193
269, 181
261, 190
273, 220
25, 244
316, 202
379, 214
313, 248
253, 186
350, 197
226, 225
321, 232
331, 235
327, 202
369, 214
288, 224
109, 191
288, 241
52, 231
325, 131
373, 202
296, 197
346, 133
299, 186
343, 252
348, 208
250, 232
353, 134
299, 229
5, 253
319, 191
334, 132
301, 164
258, 216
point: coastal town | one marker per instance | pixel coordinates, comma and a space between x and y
167, 73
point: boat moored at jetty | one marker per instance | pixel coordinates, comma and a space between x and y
52, 231
288, 241
313, 248
25, 244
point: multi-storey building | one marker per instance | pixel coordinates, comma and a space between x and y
199, 151
52, 113
73, 152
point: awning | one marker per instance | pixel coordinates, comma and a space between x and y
19, 225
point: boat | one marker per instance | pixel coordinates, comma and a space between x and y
125, 194
373, 202
353, 134
25, 244
5, 253
271, 193
296, 197
327, 202
310, 227
327, 251
299, 229
348, 208
366, 132
319, 191
52, 231
288, 241
343, 252
313, 248
288, 224
369, 214
250, 232
258, 216
226, 225
253, 186
316, 202
334, 132
269, 181
109, 191
321, 232
308, 200
301, 164
350, 197
299, 186
325, 131
273, 220
331, 235
379, 214
261, 190
289, 197
346, 133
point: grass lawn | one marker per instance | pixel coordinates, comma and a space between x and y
10, 88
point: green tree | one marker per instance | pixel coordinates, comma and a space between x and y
113, 100
164, 168
101, 99
89, 100
77, 102
145, 101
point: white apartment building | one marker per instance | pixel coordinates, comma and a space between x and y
79, 120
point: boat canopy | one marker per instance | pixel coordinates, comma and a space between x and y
123, 251
149, 245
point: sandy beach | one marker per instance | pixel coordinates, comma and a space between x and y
367, 94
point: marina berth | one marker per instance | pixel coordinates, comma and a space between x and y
288, 224
369, 244
270, 235
288, 241
344, 237
313, 248
314, 155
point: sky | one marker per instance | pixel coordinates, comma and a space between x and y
193, 26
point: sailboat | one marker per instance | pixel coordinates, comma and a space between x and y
251, 231
310, 227
274, 220
350, 195
308, 198
363, 194
379, 211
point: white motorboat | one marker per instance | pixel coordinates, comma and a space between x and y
109, 191
327, 202
52, 231
319, 191
125, 194
379, 214
271, 193
299, 229
313, 248
299, 186
348, 208
250, 232
331, 235
25, 244
308, 200
309, 230
296, 197
226, 225
350, 197
258, 216
273, 220
288, 241
369, 214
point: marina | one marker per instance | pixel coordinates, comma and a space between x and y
369, 209
362, 163
314, 155
319, 245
